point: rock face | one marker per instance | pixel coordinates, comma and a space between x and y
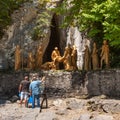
21, 32
23, 21
3, 61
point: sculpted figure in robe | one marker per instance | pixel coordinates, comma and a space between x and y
55, 53
39, 57
17, 58
87, 60
94, 56
74, 57
67, 58
54, 56
105, 54
31, 61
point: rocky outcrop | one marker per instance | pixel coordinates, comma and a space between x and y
20, 33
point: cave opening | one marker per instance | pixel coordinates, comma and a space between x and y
54, 38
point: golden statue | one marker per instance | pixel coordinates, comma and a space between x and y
67, 58
39, 57
55, 54
48, 66
105, 54
31, 61
74, 57
87, 61
94, 56
17, 58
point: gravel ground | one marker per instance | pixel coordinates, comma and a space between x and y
58, 109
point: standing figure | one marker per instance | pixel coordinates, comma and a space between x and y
17, 58
74, 57
39, 57
67, 58
87, 60
24, 89
94, 56
35, 90
55, 54
105, 54
31, 61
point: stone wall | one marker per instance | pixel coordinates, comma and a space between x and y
92, 83
9, 83
105, 82
67, 84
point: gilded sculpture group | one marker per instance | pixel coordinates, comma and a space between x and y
69, 58
33, 61
93, 57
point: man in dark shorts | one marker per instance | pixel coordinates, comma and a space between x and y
24, 90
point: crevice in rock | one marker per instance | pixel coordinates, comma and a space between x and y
54, 38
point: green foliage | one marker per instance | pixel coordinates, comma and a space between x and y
6, 9
42, 3
95, 17
99, 18
42, 22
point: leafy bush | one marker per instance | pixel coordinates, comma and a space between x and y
97, 17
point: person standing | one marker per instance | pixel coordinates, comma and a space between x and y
35, 90
24, 90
